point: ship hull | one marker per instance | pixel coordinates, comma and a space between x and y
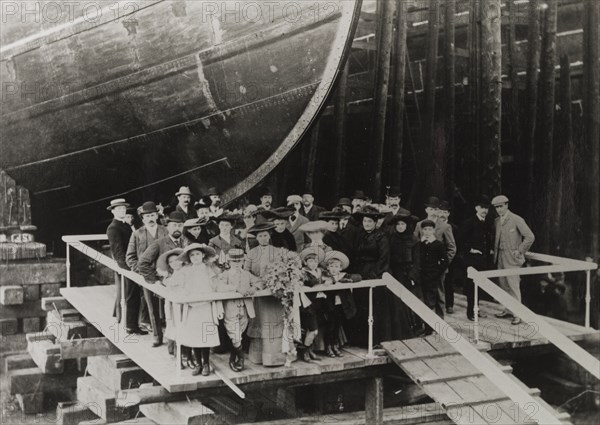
175, 92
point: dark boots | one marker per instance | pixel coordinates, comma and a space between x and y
236, 359
203, 365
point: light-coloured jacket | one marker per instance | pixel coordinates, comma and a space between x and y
229, 283
512, 235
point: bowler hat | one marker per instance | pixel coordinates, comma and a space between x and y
359, 194
483, 201
265, 191
184, 190
344, 202
432, 202
445, 206
314, 226
213, 191
394, 192
368, 211
117, 203
313, 250
148, 208
203, 202
499, 200
176, 217
261, 227
340, 256
206, 250
162, 264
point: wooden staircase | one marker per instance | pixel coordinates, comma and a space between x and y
467, 396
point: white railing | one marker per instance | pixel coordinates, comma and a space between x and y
482, 280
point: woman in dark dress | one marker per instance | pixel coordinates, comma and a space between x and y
371, 252
281, 237
404, 257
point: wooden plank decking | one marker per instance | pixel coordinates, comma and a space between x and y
95, 303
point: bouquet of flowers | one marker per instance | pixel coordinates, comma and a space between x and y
283, 278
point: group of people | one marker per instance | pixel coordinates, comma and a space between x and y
201, 248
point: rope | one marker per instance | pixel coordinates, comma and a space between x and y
224, 159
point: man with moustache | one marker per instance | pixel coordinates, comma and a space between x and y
393, 202
138, 243
309, 209
359, 200
209, 229
119, 233
296, 220
266, 199
477, 237
215, 202
147, 261
184, 199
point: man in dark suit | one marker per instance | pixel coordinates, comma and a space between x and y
444, 217
119, 233
147, 262
476, 238
393, 202
309, 209
184, 202
138, 243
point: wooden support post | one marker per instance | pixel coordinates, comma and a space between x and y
450, 94
546, 129
382, 82
473, 172
529, 132
426, 147
312, 155
339, 116
374, 402
399, 89
513, 50
591, 110
491, 105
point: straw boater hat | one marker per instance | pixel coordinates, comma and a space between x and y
316, 251
368, 211
314, 226
184, 190
192, 222
340, 256
162, 263
206, 250
117, 203
235, 254
262, 227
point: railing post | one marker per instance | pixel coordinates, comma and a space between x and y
370, 322
123, 303
588, 298
476, 311
68, 265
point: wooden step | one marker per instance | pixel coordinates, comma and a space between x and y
178, 412
93, 392
117, 372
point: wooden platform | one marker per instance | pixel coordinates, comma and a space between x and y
467, 396
95, 303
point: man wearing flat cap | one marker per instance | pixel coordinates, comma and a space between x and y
512, 241
184, 201
147, 263
119, 233
296, 220
138, 243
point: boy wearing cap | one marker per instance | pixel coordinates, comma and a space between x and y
341, 303
433, 262
119, 233
239, 311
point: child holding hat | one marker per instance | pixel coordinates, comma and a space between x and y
238, 311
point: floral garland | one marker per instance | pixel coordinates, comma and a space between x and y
283, 277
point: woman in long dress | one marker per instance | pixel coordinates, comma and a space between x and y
167, 265
266, 329
199, 322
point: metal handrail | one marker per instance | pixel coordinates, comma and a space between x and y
484, 364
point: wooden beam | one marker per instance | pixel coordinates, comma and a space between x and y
546, 130
81, 348
399, 91
513, 51
591, 109
450, 95
473, 99
313, 148
374, 401
339, 117
382, 82
491, 103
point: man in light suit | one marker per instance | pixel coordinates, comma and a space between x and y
513, 239
296, 220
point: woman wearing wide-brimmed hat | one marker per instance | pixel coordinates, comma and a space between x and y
167, 265
266, 329
199, 322
371, 252
404, 256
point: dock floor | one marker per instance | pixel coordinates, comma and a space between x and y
95, 303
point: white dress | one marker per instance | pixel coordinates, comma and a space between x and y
199, 324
